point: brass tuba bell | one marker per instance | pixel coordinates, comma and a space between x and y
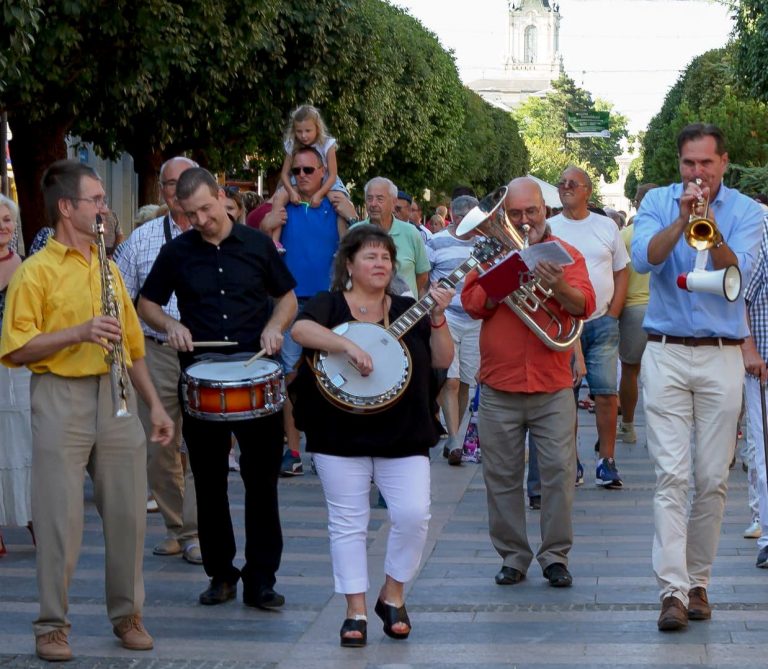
529, 301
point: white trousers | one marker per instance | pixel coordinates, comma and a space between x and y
404, 483
688, 387
755, 435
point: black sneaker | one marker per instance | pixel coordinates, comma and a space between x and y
762, 558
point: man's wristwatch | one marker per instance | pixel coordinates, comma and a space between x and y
351, 221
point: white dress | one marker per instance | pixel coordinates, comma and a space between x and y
15, 444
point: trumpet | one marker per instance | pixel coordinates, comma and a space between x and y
530, 300
110, 306
700, 232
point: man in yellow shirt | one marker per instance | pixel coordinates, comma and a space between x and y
53, 325
632, 337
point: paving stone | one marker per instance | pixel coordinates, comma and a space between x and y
461, 618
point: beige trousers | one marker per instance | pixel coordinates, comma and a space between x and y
503, 420
689, 388
74, 431
170, 483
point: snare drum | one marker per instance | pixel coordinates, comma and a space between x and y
224, 390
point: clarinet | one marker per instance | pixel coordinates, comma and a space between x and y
110, 306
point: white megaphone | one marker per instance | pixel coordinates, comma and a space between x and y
724, 282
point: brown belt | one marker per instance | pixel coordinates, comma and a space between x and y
695, 341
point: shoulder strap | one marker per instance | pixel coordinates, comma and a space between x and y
167, 227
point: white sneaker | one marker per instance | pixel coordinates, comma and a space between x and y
626, 433
753, 531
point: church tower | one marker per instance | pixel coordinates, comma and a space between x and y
533, 57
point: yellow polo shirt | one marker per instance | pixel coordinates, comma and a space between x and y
638, 287
57, 289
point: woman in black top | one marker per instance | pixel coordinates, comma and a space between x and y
390, 447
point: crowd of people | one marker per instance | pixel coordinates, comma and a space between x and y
232, 323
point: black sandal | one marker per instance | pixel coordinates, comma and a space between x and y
391, 615
358, 624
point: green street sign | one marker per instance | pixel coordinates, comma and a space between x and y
588, 124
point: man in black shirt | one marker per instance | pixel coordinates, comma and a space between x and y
223, 275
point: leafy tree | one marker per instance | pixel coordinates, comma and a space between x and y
208, 105
751, 58
634, 178
77, 56
490, 150
707, 91
543, 125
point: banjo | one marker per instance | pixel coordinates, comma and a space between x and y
344, 386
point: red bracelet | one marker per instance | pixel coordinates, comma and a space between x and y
436, 327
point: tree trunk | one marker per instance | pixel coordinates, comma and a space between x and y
33, 148
147, 164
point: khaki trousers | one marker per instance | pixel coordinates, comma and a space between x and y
170, 483
74, 431
503, 420
686, 388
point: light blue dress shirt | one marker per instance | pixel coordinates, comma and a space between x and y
676, 312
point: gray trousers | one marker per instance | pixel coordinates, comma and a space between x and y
502, 422
74, 431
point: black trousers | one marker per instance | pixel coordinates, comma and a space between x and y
261, 449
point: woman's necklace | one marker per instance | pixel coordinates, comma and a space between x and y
8, 257
364, 310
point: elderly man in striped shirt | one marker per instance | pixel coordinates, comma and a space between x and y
170, 480
446, 251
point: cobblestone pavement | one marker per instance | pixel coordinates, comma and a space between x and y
461, 618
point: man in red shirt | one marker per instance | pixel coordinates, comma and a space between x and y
528, 387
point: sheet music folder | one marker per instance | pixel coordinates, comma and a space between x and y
517, 267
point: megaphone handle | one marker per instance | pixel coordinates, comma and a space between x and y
701, 260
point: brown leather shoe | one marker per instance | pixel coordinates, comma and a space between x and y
53, 646
698, 604
132, 634
673, 615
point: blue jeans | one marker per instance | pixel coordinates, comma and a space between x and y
600, 345
290, 352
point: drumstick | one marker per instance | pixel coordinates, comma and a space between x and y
201, 344
254, 358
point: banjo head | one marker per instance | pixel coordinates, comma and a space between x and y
350, 389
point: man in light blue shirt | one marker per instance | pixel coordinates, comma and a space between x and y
692, 368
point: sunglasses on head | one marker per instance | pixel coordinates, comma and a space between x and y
229, 191
307, 170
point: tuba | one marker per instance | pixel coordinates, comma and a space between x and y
110, 306
529, 301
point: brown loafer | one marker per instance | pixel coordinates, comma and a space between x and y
673, 616
698, 604
132, 634
53, 646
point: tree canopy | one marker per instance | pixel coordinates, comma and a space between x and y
708, 92
543, 123
751, 57
217, 79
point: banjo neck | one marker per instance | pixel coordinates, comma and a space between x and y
426, 303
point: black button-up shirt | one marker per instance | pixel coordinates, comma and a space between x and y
223, 291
